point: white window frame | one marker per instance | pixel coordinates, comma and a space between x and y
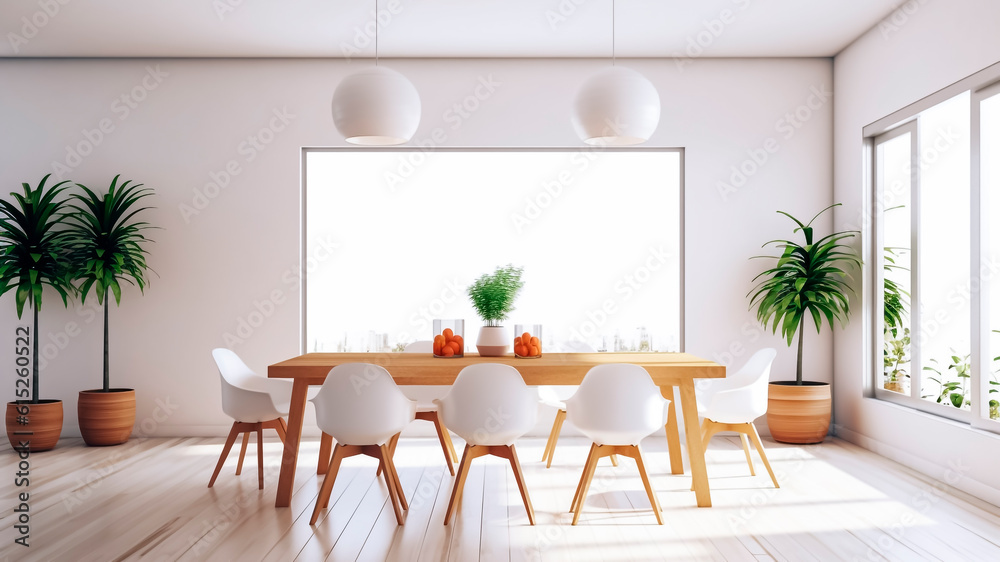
982, 85
979, 222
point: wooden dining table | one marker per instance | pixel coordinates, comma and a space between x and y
668, 371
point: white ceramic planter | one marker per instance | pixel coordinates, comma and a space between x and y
492, 341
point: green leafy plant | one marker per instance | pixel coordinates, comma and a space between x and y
33, 254
106, 245
493, 294
893, 297
896, 358
954, 392
808, 279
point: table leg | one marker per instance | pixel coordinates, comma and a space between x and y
696, 448
325, 446
673, 432
286, 480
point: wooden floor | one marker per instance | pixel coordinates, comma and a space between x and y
148, 500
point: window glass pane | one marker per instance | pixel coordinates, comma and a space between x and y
989, 112
895, 181
943, 279
597, 233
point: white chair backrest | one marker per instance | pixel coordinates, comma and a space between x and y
244, 393
617, 400
233, 369
424, 346
360, 404
489, 404
756, 374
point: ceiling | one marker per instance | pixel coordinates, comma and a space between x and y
436, 28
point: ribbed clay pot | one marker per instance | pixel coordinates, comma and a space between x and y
44, 424
106, 418
798, 413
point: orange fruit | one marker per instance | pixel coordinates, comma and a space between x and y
519, 349
439, 340
448, 334
534, 341
526, 339
461, 342
437, 348
535, 352
447, 351
455, 348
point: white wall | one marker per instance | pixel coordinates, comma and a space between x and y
921, 48
243, 247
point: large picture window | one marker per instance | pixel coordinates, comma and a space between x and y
936, 185
597, 231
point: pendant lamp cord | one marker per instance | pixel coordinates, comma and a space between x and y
612, 32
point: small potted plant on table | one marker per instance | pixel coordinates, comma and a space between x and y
493, 297
106, 248
32, 256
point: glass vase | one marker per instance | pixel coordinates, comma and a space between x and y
449, 338
528, 340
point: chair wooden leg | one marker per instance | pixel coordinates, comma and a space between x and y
746, 450
391, 445
550, 447
399, 485
585, 485
649, 489
325, 446
445, 440
451, 445
260, 456
515, 465
233, 433
331, 476
760, 449
395, 491
243, 452
583, 477
463, 473
614, 460
279, 426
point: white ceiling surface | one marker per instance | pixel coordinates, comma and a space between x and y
435, 28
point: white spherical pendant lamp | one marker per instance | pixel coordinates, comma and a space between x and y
376, 107
616, 107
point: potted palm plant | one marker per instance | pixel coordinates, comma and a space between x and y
106, 248
32, 256
808, 282
493, 297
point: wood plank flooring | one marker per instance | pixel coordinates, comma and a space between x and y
148, 500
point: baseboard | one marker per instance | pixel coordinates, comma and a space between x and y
972, 487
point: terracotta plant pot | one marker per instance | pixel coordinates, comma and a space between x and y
106, 418
798, 414
44, 422
492, 341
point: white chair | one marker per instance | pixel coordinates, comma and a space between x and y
616, 406
428, 411
733, 403
549, 396
361, 407
490, 407
255, 403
